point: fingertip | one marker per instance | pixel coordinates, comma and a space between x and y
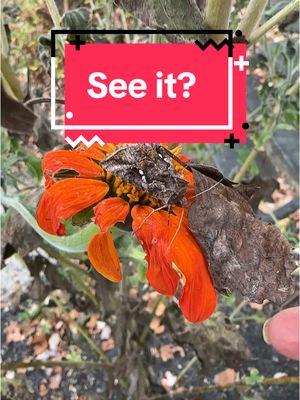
282, 332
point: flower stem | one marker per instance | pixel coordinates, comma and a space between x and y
214, 388
12, 366
245, 167
252, 17
186, 369
54, 13
217, 15
294, 5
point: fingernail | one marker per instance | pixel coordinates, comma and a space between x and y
265, 331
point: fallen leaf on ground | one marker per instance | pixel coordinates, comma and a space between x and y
257, 306
156, 326
168, 351
169, 380
40, 348
107, 345
226, 377
160, 309
14, 332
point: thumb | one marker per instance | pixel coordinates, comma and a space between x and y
282, 332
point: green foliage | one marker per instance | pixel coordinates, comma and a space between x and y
80, 18
254, 377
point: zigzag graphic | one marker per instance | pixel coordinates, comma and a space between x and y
211, 42
83, 140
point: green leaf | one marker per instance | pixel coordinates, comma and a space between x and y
285, 127
254, 378
34, 165
80, 18
76, 243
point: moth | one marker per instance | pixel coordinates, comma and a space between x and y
150, 168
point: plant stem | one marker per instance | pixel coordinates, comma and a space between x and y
12, 366
147, 327
294, 5
54, 13
186, 369
217, 15
213, 388
82, 332
245, 167
252, 17
237, 309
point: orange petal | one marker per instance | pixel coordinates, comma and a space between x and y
65, 199
96, 151
110, 211
198, 297
58, 160
152, 231
104, 257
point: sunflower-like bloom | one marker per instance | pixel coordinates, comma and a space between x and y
76, 182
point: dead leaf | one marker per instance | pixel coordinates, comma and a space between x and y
92, 322
160, 309
156, 326
258, 307
169, 380
226, 377
107, 345
14, 332
246, 256
39, 349
168, 351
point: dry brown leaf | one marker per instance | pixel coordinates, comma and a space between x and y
92, 322
168, 351
14, 332
107, 344
156, 326
169, 380
246, 256
38, 338
160, 309
226, 377
39, 349
257, 306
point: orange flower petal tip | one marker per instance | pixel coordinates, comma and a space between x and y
104, 257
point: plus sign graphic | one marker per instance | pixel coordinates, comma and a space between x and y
77, 42
241, 63
231, 140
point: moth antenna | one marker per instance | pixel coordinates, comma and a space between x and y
175, 158
207, 190
148, 216
177, 230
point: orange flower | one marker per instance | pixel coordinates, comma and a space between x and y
76, 182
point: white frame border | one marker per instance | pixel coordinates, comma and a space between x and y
54, 126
